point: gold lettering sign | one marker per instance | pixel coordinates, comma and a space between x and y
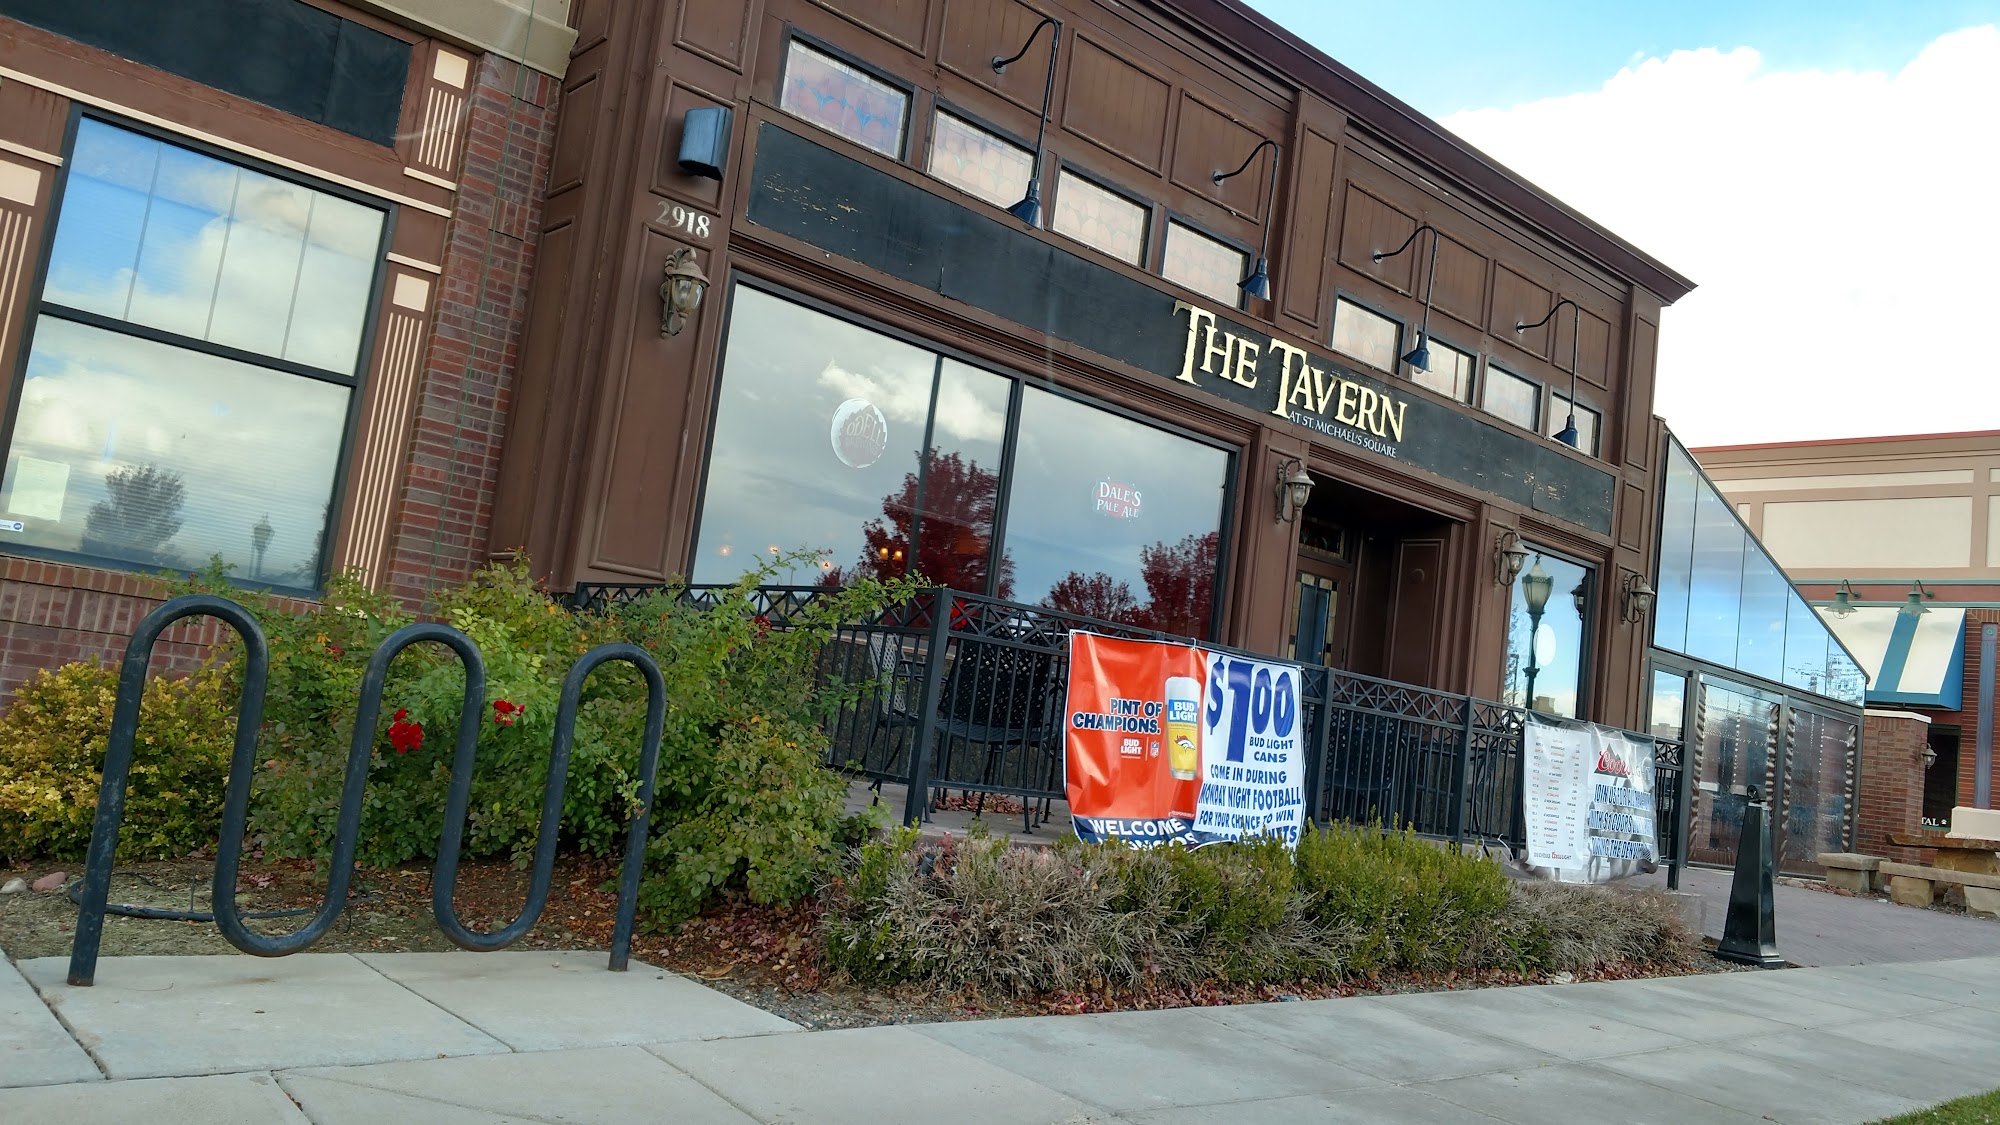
1303, 394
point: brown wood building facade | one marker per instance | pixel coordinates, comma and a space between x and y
861, 212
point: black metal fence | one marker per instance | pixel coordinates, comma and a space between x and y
979, 685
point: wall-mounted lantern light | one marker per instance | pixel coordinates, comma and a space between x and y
1419, 357
1029, 209
1915, 604
1568, 436
1509, 556
1843, 600
1258, 282
1295, 487
681, 292
1638, 597
705, 141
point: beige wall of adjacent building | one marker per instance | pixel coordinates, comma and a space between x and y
1926, 506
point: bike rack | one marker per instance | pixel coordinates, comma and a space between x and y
236, 803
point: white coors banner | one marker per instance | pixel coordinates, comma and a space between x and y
1587, 800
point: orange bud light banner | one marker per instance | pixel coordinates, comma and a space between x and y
1173, 744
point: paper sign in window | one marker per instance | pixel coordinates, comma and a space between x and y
38, 489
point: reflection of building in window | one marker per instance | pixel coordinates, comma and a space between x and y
195, 356
844, 99
1545, 635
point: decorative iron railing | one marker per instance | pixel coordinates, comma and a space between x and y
979, 683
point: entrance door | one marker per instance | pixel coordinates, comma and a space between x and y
1319, 627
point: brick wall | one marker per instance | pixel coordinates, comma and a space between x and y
445, 504
1892, 784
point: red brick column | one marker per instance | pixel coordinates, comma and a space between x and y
445, 503
1892, 784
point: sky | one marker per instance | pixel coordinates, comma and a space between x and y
1823, 171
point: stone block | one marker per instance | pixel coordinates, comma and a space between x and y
1983, 902
1860, 882
1980, 824
1910, 892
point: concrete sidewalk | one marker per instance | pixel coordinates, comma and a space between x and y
506, 1037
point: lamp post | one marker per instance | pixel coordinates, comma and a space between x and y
1536, 585
260, 540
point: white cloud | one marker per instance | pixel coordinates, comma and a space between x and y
1842, 226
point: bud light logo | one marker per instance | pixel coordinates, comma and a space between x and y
1183, 710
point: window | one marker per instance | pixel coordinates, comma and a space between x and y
1587, 422
978, 162
1112, 518
1451, 371
1206, 265
844, 99
1507, 395
1366, 335
887, 457
1545, 635
196, 354
1100, 218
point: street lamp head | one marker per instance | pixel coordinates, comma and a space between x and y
1536, 586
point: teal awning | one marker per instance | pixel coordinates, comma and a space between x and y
1912, 660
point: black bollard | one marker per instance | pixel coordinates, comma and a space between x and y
1750, 935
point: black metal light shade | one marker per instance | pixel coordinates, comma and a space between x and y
1419, 357
1258, 282
1029, 209
1567, 435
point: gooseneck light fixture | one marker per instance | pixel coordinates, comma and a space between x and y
1843, 600
1419, 357
1568, 435
1915, 604
1258, 283
1029, 209
1295, 487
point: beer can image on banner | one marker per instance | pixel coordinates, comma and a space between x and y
1128, 701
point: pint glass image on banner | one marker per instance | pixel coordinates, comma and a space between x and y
1183, 715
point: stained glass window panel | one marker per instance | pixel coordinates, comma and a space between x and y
844, 99
1366, 335
978, 162
1103, 219
1206, 265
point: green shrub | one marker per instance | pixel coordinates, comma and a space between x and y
1410, 903
52, 744
744, 799
1556, 927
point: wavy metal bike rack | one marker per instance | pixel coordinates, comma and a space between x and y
236, 802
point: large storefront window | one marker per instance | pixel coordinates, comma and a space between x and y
1545, 635
195, 356
886, 458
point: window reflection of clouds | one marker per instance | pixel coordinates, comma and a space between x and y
244, 444
177, 240
1066, 449
1560, 679
773, 478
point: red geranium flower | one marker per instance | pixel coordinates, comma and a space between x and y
505, 712
405, 736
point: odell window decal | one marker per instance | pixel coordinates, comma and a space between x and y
1171, 744
860, 433
1119, 501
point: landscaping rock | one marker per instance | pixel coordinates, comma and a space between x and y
14, 887
53, 881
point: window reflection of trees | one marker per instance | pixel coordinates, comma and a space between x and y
938, 525
1179, 580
